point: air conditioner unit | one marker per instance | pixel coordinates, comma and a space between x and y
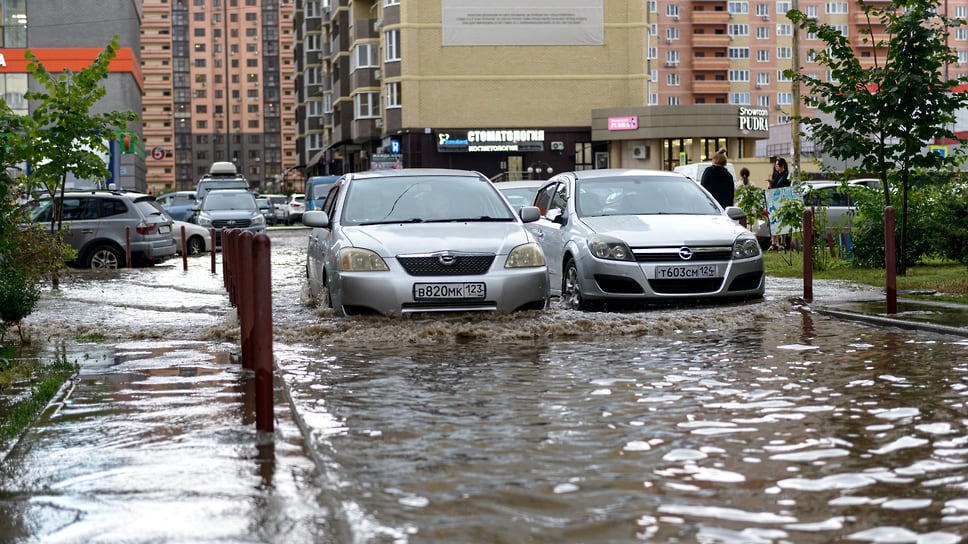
668, 40
670, 63
779, 107
759, 85
377, 24
730, 37
675, 17
640, 152
378, 123
377, 75
766, 17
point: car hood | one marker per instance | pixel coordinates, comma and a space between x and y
667, 230
231, 214
415, 238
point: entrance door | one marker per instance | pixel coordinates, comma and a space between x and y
515, 167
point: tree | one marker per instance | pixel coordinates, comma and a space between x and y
884, 114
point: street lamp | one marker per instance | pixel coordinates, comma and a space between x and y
537, 168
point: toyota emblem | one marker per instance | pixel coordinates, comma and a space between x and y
685, 253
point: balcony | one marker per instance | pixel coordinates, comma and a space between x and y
710, 40
718, 87
710, 63
710, 17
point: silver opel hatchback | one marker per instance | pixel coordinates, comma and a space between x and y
642, 236
422, 240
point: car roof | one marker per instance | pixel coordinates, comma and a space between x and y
619, 172
521, 184
413, 172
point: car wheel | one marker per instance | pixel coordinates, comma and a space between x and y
196, 246
570, 287
104, 257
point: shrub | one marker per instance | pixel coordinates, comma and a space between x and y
950, 224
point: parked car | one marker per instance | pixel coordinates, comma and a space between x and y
828, 198
267, 209
99, 223
519, 193
423, 240
281, 205
221, 175
178, 204
643, 236
297, 205
198, 240
317, 187
232, 209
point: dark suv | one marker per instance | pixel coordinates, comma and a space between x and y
95, 224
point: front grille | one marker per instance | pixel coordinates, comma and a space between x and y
686, 287
449, 306
431, 265
671, 254
231, 223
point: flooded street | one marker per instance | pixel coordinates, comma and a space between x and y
758, 422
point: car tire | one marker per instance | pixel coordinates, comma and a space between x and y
571, 288
104, 257
195, 246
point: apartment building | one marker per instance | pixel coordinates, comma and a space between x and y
218, 87
61, 38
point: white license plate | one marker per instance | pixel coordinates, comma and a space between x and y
164, 229
442, 291
686, 272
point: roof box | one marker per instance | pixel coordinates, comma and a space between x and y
222, 168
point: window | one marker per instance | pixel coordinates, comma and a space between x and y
252, 78
811, 11
762, 55
784, 52
653, 6
762, 10
763, 101
312, 42
784, 29
784, 99
739, 98
200, 16
739, 30
672, 57
253, 123
739, 52
653, 99
782, 119
391, 40
961, 12
739, 75
312, 75
366, 56
811, 56
199, 63
201, 124
781, 76
394, 99
762, 33
672, 10
831, 78
763, 79
843, 29
962, 57
836, 7
314, 140
252, 108
391, 2
312, 9
672, 33
672, 79
672, 100
366, 105
739, 7
314, 108
251, 32
653, 52
653, 29
250, 16
783, 7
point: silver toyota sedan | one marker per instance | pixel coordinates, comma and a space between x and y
642, 236
423, 240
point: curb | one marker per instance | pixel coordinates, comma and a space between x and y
893, 322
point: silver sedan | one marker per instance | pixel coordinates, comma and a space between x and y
641, 235
403, 241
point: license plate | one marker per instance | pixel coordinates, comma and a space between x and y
686, 272
440, 291
164, 229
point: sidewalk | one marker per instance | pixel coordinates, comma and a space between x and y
913, 314
156, 442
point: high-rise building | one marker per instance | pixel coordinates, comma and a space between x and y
218, 87
516, 88
61, 39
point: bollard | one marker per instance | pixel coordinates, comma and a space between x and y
225, 259
245, 299
261, 340
127, 247
808, 255
184, 249
890, 260
212, 231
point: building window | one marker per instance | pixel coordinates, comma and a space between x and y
672, 10
781, 76
762, 55
762, 33
739, 75
201, 123
366, 105
962, 57
784, 52
391, 45
739, 52
312, 42
782, 119
251, 32
961, 12
763, 79
672, 79
653, 52
672, 57
250, 16
653, 6
811, 11
653, 99
843, 29
783, 7
314, 140
366, 56
312, 75
739, 7
739, 30
672, 33
762, 10
672, 100
391, 2
199, 32
311, 9
784, 29
763, 101
831, 78
784, 99
739, 98
394, 99
314, 108
836, 7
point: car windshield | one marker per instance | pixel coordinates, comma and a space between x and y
223, 200
643, 195
519, 196
416, 199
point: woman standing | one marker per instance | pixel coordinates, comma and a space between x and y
781, 174
718, 181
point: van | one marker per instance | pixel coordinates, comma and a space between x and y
694, 171
221, 175
317, 187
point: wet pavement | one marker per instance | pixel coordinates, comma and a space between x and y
772, 421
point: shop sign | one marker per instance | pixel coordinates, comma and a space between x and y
502, 140
623, 123
754, 119
386, 161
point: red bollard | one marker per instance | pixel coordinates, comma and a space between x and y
808, 255
127, 247
244, 296
261, 340
184, 249
890, 260
212, 231
225, 258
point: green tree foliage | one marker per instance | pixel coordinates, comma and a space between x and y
883, 114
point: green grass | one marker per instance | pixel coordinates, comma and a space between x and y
44, 382
91, 337
948, 279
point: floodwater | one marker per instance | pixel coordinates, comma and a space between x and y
752, 423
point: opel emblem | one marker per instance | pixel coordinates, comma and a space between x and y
446, 259
685, 253
231, 222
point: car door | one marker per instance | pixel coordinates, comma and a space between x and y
320, 238
81, 219
552, 200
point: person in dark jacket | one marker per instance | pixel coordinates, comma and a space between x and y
718, 181
781, 174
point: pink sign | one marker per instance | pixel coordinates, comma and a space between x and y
623, 123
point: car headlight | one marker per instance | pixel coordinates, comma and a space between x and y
613, 249
745, 247
204, 220
355, 259
525, 256
258, 219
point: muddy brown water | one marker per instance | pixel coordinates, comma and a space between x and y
757, 422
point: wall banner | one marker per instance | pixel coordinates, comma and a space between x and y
513, 22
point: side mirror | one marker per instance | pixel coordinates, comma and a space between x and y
735, 213
556, 216
529, 214
316, 219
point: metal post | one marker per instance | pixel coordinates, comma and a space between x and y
213, 250
262, 332
890, 260
184, 249
127, 247
808, 255
244, 297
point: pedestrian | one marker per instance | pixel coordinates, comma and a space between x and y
718, 181
744, 175
781, 174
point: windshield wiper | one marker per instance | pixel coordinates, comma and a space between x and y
470, 219
411, 220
